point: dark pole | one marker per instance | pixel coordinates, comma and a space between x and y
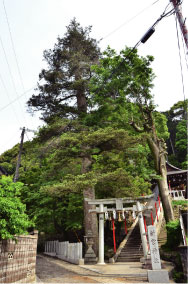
16, 176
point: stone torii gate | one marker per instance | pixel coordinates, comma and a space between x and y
119, 202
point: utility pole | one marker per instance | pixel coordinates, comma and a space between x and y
179, 15
16, 176
19, 156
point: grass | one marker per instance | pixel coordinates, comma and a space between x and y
182, 203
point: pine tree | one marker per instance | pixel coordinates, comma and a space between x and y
65, 93
63, 85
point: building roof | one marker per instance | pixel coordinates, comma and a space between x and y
171, 168
177, 172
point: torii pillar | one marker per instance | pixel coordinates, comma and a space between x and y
101, 234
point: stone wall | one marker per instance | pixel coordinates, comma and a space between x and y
184, 259
18, 259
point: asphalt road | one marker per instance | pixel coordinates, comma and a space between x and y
52, 270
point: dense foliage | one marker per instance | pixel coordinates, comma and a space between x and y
177, 142
63, 85
121, 89
52, 171
173, 234
13, 219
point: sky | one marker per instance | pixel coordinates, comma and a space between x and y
27, 28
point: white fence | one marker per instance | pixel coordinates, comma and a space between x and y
71, 252
177, 194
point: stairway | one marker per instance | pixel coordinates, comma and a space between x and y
132, 251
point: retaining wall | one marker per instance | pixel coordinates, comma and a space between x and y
18, 259
71, 252
184, 259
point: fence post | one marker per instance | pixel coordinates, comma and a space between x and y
80, 250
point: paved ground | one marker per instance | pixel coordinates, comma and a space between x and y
53, 270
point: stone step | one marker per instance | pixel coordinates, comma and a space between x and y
131, 250
128, 259
133, 245
132, 254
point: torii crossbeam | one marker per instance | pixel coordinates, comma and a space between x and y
101, 210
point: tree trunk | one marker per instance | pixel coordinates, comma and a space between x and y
80, 94
81, 102
90, 219
158, 151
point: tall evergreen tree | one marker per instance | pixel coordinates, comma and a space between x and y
64, 92
63, 85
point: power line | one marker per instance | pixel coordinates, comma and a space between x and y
6, 91
14, 51
184, 49
181, 68
11, 76
23, 94
12, 42
144, 38
128, 21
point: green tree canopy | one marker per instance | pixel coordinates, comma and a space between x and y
13, 219
122, 91
177, 142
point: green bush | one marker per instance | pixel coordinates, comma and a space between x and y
13, 220
182, 203
173, 234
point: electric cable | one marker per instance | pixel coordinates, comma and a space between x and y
143, 39
128, 21
12, 42
13, 101
181, 68
11, 76
184, 49
6, 91
14, 52
27, 136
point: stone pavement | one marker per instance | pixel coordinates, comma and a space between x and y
52, 270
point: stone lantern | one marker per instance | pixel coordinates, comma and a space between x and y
90, 256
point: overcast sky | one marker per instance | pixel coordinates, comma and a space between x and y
28, 27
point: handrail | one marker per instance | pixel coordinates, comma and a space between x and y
122, 244
158, 223
183, 230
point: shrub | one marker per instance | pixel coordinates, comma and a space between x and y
182, 203
13, 219
173, 234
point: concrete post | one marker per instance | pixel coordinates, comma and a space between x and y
101, 234
80, 250
142, 229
